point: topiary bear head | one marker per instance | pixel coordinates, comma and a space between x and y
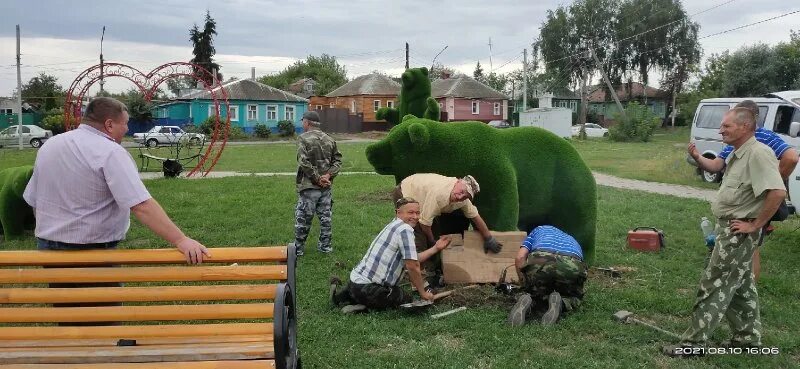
416, 84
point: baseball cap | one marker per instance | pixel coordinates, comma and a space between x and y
311, 116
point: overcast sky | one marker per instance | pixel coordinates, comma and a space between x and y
62, 38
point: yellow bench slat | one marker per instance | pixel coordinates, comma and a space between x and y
139, 256
135, 294
135, 331
134, 313
144, 274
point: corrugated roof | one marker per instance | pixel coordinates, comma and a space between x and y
464, 86
246, 89
368, 84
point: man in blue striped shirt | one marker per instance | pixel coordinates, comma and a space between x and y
373, 282
787, 160
550, 268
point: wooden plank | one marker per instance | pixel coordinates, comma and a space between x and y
136, 354
133, 294
135, 313
145, 274
466, 262
139, 256
135, 331
242, 364
148, 341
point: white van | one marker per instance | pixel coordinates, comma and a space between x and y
778, 112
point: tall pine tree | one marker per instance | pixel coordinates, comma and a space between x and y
203, 42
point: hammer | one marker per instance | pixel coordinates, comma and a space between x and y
624, 316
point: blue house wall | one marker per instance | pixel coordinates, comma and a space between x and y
198, 111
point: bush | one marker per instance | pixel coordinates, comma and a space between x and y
207, 127
54, 123
286, 128
638, 124
236, 133
262, 131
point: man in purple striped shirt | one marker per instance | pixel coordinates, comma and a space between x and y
85, 185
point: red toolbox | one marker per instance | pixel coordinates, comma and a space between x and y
646, 239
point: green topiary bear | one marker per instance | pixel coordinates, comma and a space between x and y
15, 214
528, 176
415, 98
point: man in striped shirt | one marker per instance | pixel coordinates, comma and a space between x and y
551, 269
373, 282
787, 160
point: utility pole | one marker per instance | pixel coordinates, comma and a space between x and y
524, 79
406, 55
19, 94
608, 82
102, 82
491, 68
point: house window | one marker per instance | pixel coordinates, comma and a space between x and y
330, 105
441, 105
6, 111
376, 104
252, 112
272, 112
353, 106
573, 105
390, 104
233, 113
496, 109
309, 87
476, 107
289, 114
319, 107
211, 111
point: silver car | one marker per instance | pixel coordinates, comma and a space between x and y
31, 135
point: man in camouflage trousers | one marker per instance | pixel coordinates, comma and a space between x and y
750, 193
318, 163
552, 272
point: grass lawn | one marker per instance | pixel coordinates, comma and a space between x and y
246, 211
661, 160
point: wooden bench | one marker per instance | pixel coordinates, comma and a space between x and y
212, 315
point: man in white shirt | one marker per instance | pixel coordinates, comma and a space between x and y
85, 185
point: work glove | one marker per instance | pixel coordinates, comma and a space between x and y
491, 244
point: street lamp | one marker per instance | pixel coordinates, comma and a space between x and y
433, 63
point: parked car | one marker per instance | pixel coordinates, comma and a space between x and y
778, 112
592, 130
167, 135
32, 135
499, 124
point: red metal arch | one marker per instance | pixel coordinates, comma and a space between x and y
148, 84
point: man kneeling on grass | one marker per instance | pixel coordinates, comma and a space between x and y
373, 282
552, 272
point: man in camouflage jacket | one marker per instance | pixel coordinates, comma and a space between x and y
318, 162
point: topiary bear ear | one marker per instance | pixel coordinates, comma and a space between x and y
409, 116
419, 135
424, 71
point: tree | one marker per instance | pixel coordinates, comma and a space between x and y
175, 85
478, 73
439, 71
323, 69
43, 92
203, 51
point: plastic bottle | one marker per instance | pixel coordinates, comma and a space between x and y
706, 226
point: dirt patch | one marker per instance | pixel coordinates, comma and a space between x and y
380, 196
449, 342
482, 296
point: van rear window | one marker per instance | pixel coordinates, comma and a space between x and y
710, 116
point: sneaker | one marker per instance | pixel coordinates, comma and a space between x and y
299, 251
352, 309
554, 309
520, 310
